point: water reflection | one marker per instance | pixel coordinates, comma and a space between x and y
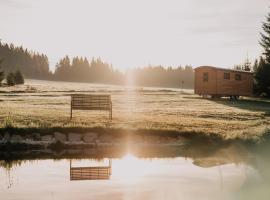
90, 172
232, 171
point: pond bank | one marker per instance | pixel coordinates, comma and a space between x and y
85, 138
81, 138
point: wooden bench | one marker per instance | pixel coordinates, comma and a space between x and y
91, 102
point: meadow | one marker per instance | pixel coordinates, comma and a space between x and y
46, 104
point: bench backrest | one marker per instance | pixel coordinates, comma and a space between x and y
89, 173
90, 102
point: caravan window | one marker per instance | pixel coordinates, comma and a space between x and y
227, 76
238, 77
205, 77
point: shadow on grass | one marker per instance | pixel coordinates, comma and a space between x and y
258, 105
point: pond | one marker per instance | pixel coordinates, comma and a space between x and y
228, 172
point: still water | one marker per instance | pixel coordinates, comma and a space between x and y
223, 174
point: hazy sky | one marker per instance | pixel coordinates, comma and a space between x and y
139, 32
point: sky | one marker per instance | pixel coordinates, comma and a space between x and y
136, 33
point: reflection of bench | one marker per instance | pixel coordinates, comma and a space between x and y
90, 173
91, 102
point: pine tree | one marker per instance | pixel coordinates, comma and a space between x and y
255, 65
11, 79
19, 77
32, 64
247, 65
262, 78
63, 70
262, 74
265, 38
2, 74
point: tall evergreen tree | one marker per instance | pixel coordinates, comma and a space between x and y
265, 38
63, 70
11, 79
2, 73
255, 65
262, 74
32, 64
262, 78
247, 65
18, 77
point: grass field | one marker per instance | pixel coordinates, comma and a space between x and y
45, 104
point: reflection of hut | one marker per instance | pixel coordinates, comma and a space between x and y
90, 173
224, 155
211, 162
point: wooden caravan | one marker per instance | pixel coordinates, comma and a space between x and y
221, 82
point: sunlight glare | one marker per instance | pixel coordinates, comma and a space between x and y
129, 167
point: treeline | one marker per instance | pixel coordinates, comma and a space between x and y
11, 78
81, 70
159, 76
31, 64
78, 69
97, 71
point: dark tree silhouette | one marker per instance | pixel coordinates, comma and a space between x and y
79, 69
255, 65
63, 70
247, 65
98, 71
19, 77
262, 73
164, 77
31, 64
265, 38
11, 79
2, 73
262, 78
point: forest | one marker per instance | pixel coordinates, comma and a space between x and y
31, 64
34, 65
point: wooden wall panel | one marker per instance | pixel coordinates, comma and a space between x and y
217, 85
208, 87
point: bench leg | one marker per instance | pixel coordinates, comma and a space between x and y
70, 113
